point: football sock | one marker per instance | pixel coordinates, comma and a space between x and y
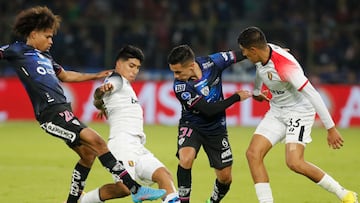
91, 197
78, 178
263, 192
331, 185
184, 184
219, 191
117, 168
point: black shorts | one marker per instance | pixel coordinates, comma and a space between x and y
59, 120
216, 147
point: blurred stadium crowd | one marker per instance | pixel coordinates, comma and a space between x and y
324, 35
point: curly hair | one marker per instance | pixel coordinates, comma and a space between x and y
35, 18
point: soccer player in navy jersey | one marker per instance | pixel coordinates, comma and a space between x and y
290, 118
198, 87
42, 77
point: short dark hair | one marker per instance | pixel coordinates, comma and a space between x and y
180, 54
35, 18
130, 51
252, 37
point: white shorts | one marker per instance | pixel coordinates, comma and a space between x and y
291, 125
138, 161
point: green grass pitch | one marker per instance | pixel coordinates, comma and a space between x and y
35, 167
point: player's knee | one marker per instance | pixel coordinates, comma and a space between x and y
186, 162
226, 180
252, 154
295, 166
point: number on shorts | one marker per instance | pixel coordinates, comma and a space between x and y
185, 131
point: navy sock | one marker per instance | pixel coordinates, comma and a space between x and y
78, 178
117, 168
219, 191
184, 184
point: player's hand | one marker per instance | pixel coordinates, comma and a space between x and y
102, 114
103, 74
106, 87
263, 96
334, 138
244, 94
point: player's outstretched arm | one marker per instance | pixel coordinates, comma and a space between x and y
73, 76
217, 107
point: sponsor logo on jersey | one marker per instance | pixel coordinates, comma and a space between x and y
207, 64
191, 100
185, 96
216, 81
180, 88
277, 92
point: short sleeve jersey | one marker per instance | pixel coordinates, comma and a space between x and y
284, 77
209, 87
125, 114
37, 72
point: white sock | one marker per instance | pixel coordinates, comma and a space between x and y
91, 197
263, 192
171, 196
331, 185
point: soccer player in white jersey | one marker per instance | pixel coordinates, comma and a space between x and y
119, 104
290, 118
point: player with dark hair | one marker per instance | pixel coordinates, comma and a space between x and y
117, 101
198, 87
290, 118
42, 77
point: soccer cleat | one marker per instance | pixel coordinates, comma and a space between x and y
147, 193
350, 197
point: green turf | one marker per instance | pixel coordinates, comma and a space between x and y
35, 167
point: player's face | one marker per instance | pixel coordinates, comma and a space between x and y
129, 68
183, 72
250, 53
41, 39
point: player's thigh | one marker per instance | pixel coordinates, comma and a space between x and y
189, 143
271, 127
299, 125
218, 151
146, 165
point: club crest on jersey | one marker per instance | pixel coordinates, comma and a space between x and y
205, 91
131, 163
270, 76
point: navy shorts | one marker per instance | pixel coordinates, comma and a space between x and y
59, 121
216, 147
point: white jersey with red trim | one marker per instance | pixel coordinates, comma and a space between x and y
284, 77
125, 114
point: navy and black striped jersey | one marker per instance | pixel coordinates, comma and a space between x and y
208, 87
37, 72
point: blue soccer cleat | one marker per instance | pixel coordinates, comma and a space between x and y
147, 193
